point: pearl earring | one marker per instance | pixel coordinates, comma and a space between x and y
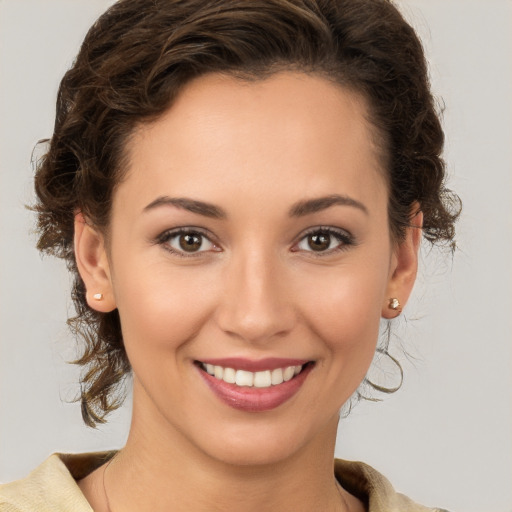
395, 305
98, 296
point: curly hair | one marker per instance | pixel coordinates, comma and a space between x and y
138, 56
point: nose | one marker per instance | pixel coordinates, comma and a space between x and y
256, 304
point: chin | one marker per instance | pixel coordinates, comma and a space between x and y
265, 442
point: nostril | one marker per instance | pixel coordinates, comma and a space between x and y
255, 323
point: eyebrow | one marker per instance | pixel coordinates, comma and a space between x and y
309, 206
192, 205
299, 209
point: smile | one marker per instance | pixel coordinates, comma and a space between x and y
261, 379
254, 386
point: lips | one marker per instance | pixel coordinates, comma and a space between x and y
254, 385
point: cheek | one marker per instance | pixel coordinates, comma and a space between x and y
345, 316
344, 308
161, 309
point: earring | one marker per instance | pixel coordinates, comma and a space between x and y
98, 296
395, 305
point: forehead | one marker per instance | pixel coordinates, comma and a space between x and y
291, 132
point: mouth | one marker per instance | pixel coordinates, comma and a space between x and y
260, 379
273, 383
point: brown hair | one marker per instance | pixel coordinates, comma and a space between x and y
139, 55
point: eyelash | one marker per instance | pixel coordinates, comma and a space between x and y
344, 238
167, 236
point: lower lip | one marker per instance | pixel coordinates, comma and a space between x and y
251, 399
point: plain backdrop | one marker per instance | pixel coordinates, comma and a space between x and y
445, 438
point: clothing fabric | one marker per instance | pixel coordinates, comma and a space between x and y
52, 486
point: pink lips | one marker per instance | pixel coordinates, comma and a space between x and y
252, 399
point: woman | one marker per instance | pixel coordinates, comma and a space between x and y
240, 188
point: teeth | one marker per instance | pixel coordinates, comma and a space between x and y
244, 378
218, 371
288, 373
229, 375
277, 376
263, 379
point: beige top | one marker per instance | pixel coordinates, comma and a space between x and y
52, 486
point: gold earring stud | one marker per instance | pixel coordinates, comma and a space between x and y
98, 296
395, 305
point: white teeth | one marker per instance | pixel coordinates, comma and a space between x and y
288, 373
263, 379
218, 372
244, 378
277, 376
229, 375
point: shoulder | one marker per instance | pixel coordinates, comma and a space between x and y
51, 486
374, 489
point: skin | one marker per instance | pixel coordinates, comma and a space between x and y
257, 290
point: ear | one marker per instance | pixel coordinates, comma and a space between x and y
93, 266
404, 267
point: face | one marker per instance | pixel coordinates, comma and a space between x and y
250, 260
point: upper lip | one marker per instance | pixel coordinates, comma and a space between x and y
254, 365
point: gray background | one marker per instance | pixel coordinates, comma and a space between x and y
446, 438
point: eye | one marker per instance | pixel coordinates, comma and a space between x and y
324, 240
187, 242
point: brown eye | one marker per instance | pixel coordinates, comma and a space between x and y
187, 242
324, 240
190, 242
319, 241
